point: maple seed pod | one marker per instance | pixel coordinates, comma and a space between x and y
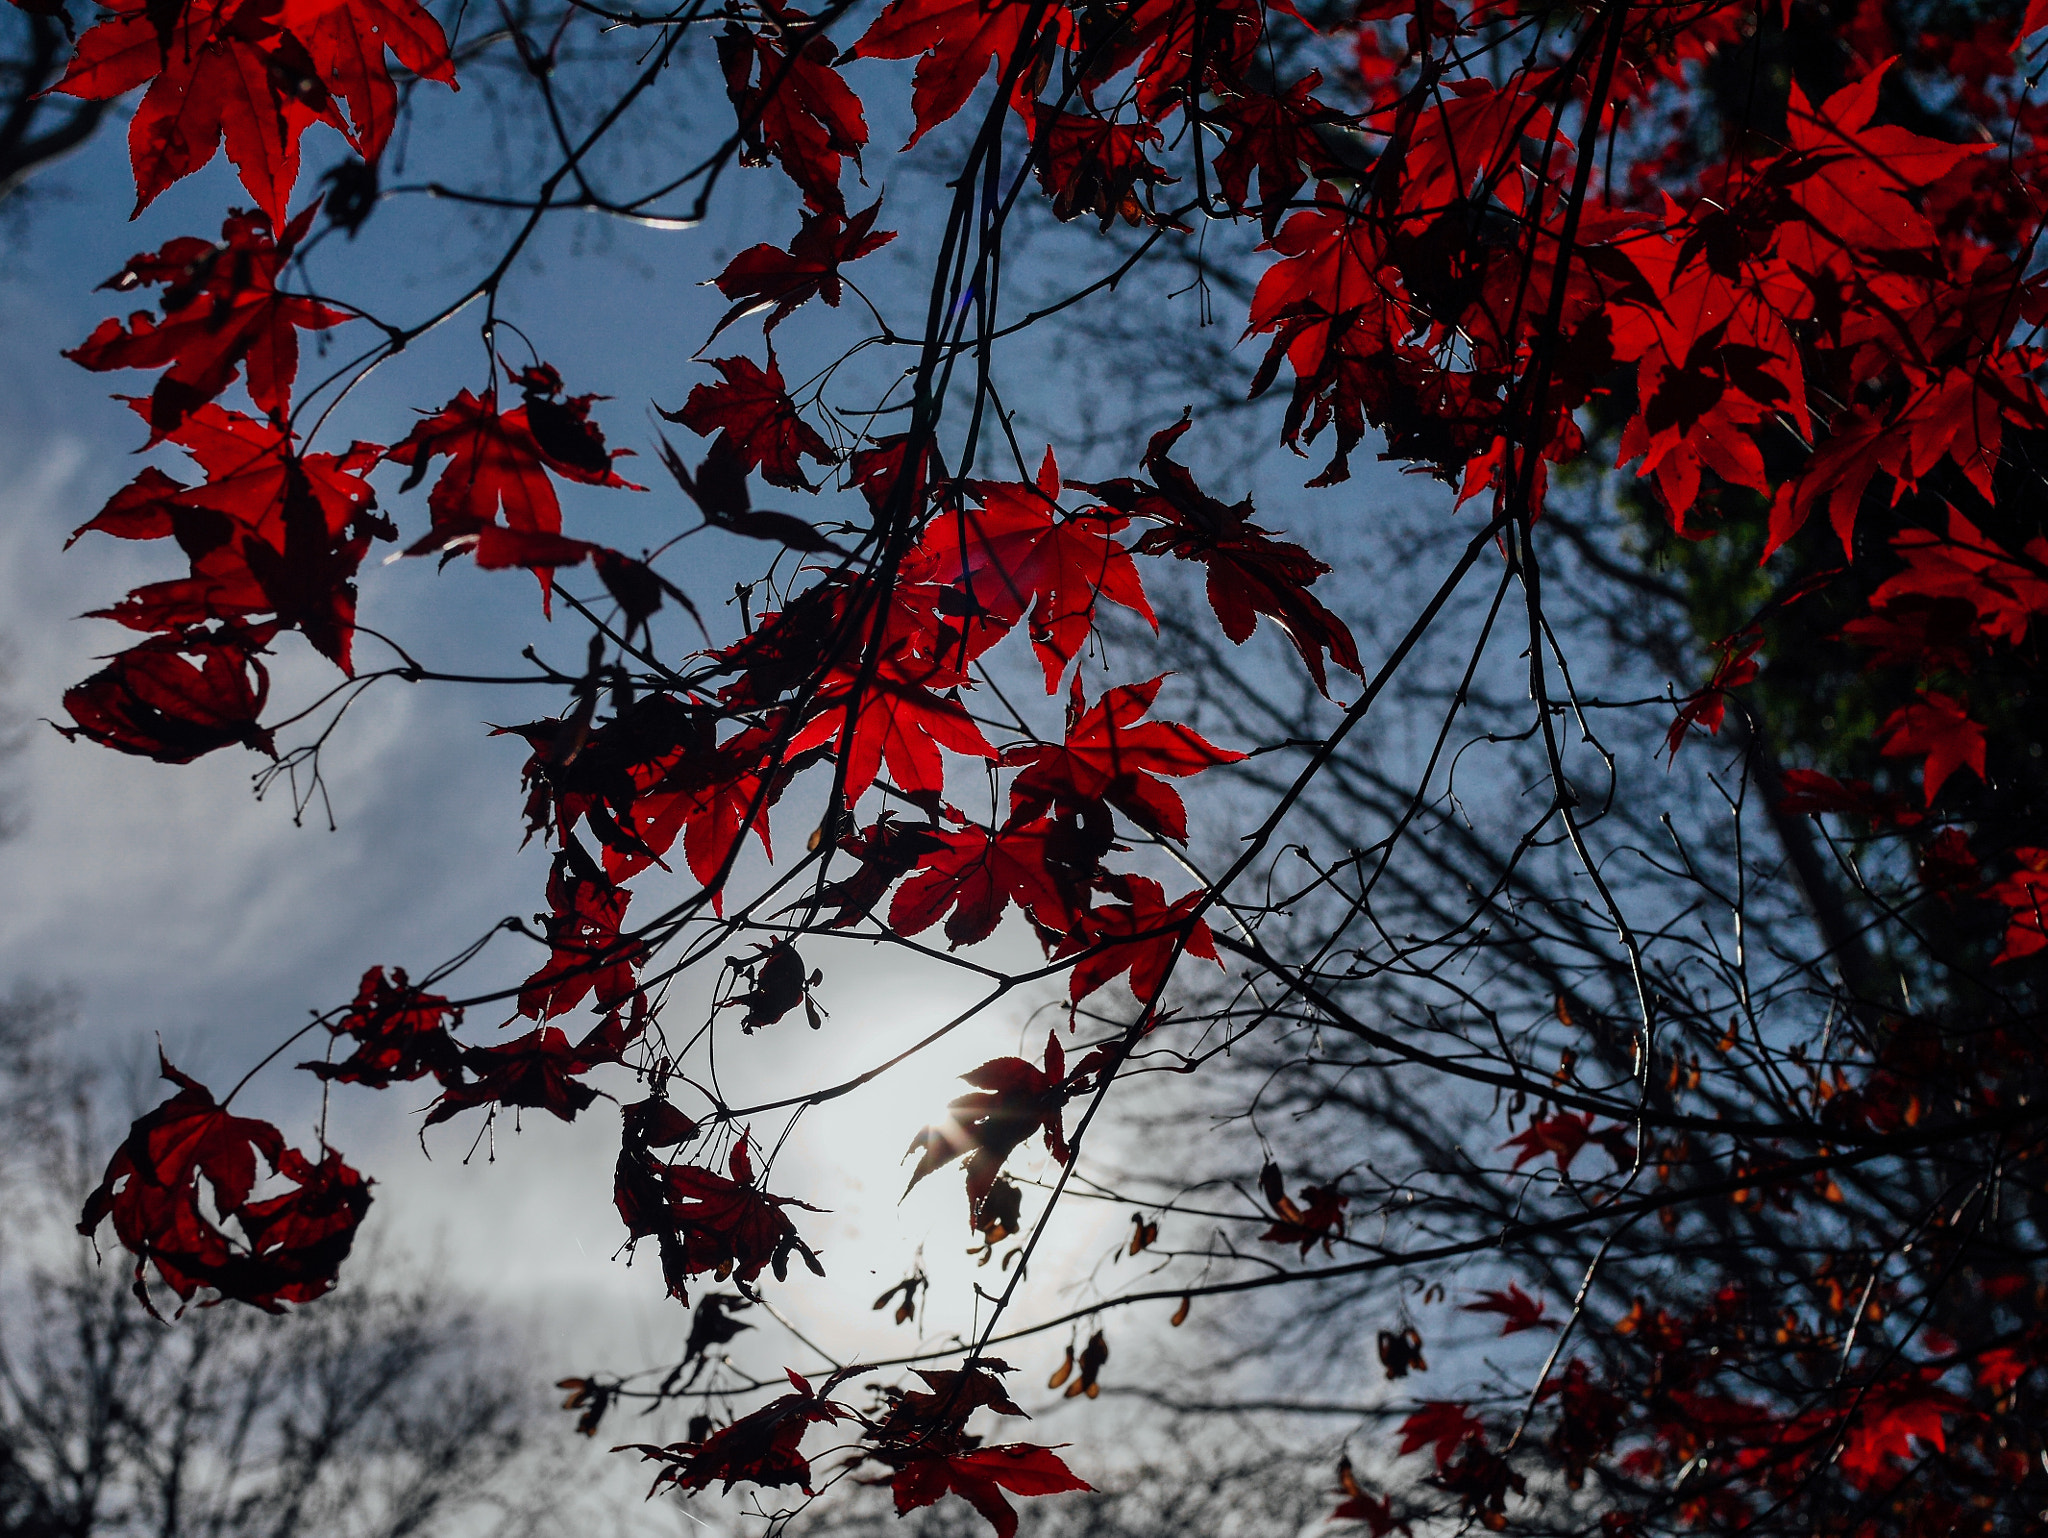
1062, 1372
1180, 1315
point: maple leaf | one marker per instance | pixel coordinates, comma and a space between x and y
1090, 165
219, 69
954, 43
1250, 572
897, 718
1562, 1136
976, 873
979, 1476
1014, 1100
800, 110
1017, 554
1162, 934
1332, 264
712, 802
400, 1034
1889, 1422
294, 1243
885, 473
1849, 182
271, 531
221, 306
1809, 793
719, 488
1939, 727
765, 277
1174, 44
2004, 589
1708, 706
1517, 1309
761, 1448
499, 463
2025, 893
347, 40
751, 406
175, 698
1284, 136
299, 1239
1589, 1417
1318, 1218
539, 1071
706, 1222
1111, 755
1443, 1426
586, 953
886, 851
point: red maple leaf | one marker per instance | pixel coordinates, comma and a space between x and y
897, 717
1276, 134
1888, 1423
1111, 755
1014, 1100
706, 1222
216, 69
886, 851
954, 42
1442, 1425
1361, 1505
647, 776
400, 1034
1939, 727
1017, 553
271, 531
712, 801
1164, 934
1250, 572
1173, 44
979, 1475
975, 874
2004, 590
751, 406
292, 1244
1708, 706
298, 1240
761, 1448
257, 73
765, 277
1518, 1310
585, 951
499, 462
540, 1070
799, 109
175, 698
221, 305
1562, 1137
347, 40
1088, 164
2025, 893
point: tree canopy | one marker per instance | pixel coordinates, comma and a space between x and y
1619, 923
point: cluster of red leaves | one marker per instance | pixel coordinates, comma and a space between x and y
257, 74
918, 1436
275, 536
181, 1193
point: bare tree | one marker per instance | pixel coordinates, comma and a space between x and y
393, 1409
